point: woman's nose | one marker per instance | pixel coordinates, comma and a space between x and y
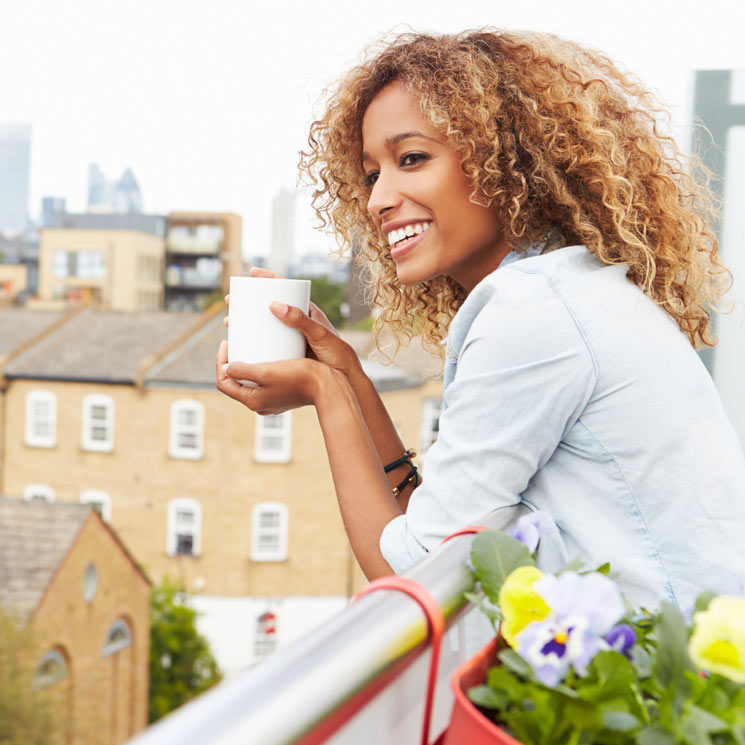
383, 197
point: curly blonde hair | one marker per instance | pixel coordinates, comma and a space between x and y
565, 147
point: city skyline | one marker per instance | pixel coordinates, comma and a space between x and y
209, 106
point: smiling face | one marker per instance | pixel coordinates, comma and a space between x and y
420, 197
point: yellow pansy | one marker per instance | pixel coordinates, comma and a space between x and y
718, 640
520, 603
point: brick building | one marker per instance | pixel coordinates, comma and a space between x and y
65, 572
120, 409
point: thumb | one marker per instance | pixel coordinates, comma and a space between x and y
294, 317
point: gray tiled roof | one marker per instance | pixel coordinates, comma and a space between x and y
19, 325
101, 345
194, 361
35, 537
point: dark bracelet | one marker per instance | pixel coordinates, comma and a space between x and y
412, 475
405, 458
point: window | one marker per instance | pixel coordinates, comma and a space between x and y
38, 493
431, 410
98, 423
184, 534
41, 419
119, 636
51, 668
273, 440
187, 429
269, 532
83, 264
100, 500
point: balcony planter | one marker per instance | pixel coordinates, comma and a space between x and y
467, 723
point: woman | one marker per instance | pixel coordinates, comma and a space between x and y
513, 192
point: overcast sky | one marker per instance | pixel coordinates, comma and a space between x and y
208, 102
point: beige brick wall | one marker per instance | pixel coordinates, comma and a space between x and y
106, 696
141, 478
122, 285
13, 279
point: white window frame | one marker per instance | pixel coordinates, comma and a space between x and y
173, 529
279, 553
265, 429
38, 493
112, 647
44, 681
33, 439
175, 450
86, 441
97, 496
427, 433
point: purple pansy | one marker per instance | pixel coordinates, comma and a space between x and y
621, 638
529, 529
584, 609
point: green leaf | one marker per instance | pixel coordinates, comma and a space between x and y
604, 568
672, 647
488, 697
494, 556
514, 662
693, 733
642, 661
707, 721
703, 600
619, 721
655, 735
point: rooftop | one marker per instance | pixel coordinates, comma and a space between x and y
35, 537
19, 326
99, 345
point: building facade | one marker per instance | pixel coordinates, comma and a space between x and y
239, 508
66, 574
203, 250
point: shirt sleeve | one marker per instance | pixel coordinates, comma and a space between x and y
524, 374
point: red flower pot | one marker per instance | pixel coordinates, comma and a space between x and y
468, 726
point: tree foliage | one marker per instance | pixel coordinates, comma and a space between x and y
329, 297
181, 664
24, 711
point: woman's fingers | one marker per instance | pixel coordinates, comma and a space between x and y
257, 271
294, 317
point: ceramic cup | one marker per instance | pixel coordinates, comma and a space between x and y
254, 334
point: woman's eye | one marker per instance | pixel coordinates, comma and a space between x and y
412, 159
370, 178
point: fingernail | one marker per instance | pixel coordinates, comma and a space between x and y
279, 308
225, 368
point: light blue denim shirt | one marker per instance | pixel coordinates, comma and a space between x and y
569, 390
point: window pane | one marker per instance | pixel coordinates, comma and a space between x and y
98, 412
184, 517
271, 443
184, 543
99, 434
269, 519
41, 428
187, 440
187, 417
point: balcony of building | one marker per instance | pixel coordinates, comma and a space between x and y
362, 678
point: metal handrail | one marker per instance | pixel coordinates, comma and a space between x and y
302, 694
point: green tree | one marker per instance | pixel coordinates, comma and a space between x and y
24, 710
329, 296
181, 664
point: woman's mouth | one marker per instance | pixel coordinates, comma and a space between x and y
399, 240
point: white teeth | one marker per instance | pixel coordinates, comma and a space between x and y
407, 232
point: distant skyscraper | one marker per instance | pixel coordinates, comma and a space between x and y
49, 207
283, 233
122, 196
15, 151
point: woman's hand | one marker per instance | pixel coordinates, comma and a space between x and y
280, 386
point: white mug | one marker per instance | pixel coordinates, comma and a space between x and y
254, 333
